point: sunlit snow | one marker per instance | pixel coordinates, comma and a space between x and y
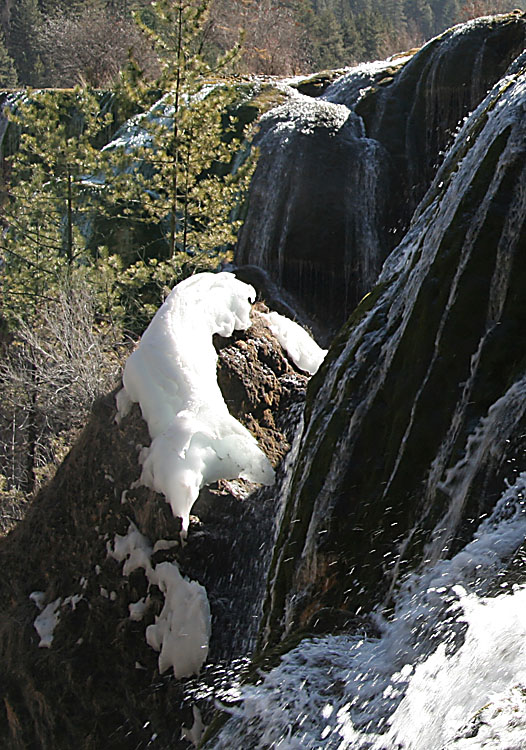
301, 348
195, 441
47, 620
172, 375
181, 631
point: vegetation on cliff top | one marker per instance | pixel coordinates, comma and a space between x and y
57, 43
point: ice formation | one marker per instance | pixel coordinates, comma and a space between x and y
172, 375
195, 733
181, 631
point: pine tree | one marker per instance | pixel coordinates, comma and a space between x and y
330, 49
185, 182
25, 21
446, 13
373, 32
8, 76
353, 41
49, 202
46, 211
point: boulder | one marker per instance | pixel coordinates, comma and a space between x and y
92, 680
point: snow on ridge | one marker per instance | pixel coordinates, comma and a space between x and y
172, 375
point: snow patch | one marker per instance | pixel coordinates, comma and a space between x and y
138, 609
164, 544
133, 548
48, 618
195, 733
172, 375
181, 632
299, 345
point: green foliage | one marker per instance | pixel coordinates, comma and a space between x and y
8, 76
93, 238
50, 203
60, 311
373, 30
136, 218
181, 175
53, 40
330, 49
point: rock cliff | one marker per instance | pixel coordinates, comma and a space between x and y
415, 423
98, 684
340, 175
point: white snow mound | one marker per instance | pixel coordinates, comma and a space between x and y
297, 342
172, 375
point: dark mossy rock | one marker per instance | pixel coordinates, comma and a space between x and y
330, 200
98, 685
415, 116
317, 84
416, 421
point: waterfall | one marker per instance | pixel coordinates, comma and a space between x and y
373, 597
399, 562
340, 176
318, 174
448, 658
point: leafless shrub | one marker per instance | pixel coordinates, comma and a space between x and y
90, 47
274, 42
475, 8
50, 374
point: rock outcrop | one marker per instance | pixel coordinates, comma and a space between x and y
340, 175
98, 684
416, 423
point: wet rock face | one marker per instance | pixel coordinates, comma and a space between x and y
333, 193
415, 115
417, 419
302, 224
98, 685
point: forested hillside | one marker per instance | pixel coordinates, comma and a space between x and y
66, 42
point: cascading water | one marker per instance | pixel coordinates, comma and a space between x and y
340, 176
316, 156
405, 508
392, 414
446, 659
